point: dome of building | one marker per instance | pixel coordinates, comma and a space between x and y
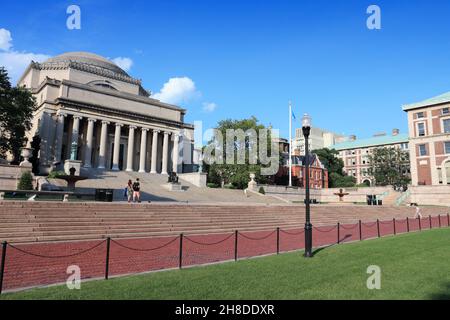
89, 59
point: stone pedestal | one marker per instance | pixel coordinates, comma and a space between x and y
68, 164
198, 179
174, 187
26, 153
253, 185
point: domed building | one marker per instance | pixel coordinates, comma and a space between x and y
92, 114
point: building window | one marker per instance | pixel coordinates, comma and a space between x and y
446, 111
420, 115
446, 123
422, 150
447, 147
421, 129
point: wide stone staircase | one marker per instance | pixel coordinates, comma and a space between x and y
55, 221
153, 189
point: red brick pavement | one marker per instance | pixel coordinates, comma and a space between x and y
30, 265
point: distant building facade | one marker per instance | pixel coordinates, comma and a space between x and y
318, 173
318, 139
355, 153
429, 130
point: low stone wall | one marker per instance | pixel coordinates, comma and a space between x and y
326, 195
10, 175
354, 194
430, 195
195, 178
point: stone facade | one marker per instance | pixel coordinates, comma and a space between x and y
92, 111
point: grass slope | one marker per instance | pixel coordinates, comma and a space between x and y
414, 266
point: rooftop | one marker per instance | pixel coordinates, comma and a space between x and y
443, 98
372, 142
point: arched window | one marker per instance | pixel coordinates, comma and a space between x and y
102, 84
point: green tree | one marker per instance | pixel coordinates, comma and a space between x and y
237, 174
389, 166
25, 181
16, 112
336, 176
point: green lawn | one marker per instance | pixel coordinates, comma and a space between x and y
414, 266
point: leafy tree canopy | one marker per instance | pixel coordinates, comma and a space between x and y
16, 112
390, 166
237, 174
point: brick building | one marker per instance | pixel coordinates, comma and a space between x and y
355, 153
429, 131
318, 173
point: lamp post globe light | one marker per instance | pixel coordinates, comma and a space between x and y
306, 128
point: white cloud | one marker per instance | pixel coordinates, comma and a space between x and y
177, 91
209, 106
5, 40
14, 61
124, 63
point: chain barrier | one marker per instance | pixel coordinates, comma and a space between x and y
349, 228
146, 250
257, 239
56, 257
292, 233
209, 243
325, 231
369, 225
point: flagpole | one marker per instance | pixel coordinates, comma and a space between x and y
290, 144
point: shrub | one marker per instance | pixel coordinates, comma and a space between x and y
25, 181
261, 190
212, 185
55, 174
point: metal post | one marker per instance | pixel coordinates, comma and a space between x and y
308, 225
429, 219
439, 217
108, 245
378, 227
407, 224
236, 234
420, 224
360, 231
2, 268
448, 220
181, 251
338, 233
395, 231
278, 240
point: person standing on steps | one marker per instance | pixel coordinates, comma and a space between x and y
137, 191
130, 191
418, 213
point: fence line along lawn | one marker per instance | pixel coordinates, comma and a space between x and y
413, 266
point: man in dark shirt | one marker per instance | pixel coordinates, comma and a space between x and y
137, 191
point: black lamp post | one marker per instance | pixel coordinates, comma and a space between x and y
306, 127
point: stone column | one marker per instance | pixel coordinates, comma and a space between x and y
115, 166
103, 141
89, 143
165, 153
130, 152
176, 141
75, 133
143, 149
59, 136
154, 150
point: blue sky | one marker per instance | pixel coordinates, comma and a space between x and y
251, 57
